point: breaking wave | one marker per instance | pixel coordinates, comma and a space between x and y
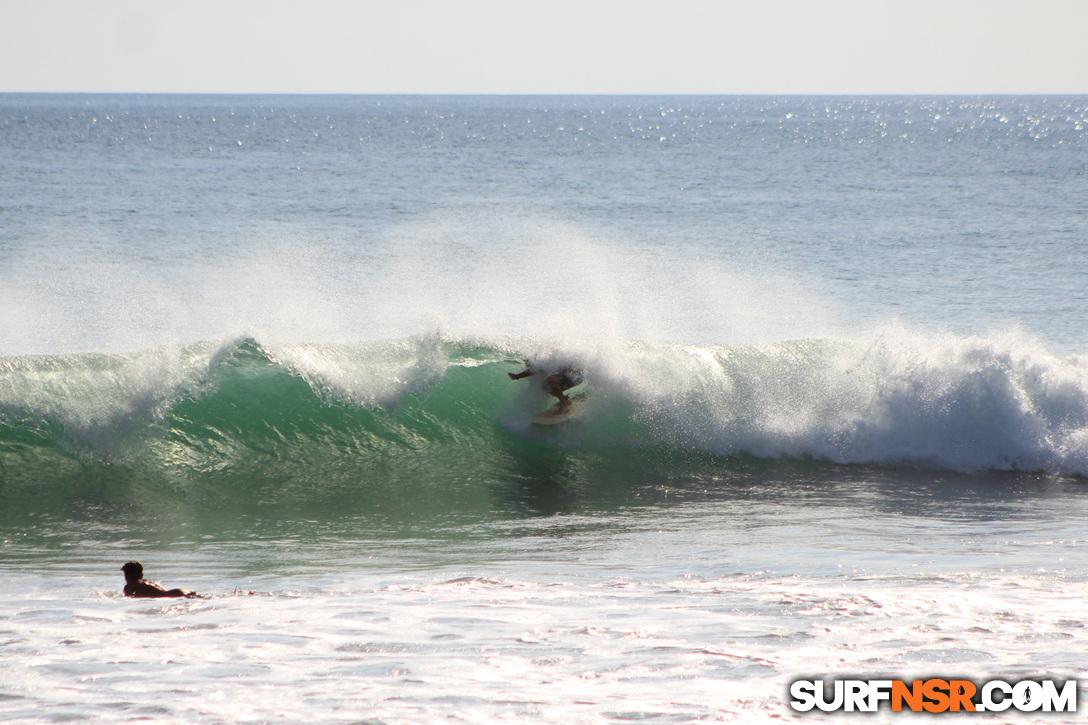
377, 412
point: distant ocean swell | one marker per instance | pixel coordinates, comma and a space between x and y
431, 406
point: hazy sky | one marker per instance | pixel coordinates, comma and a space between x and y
562, 46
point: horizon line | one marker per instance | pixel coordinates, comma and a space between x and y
582, 94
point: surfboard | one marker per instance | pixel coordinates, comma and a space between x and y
551, 416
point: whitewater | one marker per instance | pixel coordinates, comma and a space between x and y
837, 419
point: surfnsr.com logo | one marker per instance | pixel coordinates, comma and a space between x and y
934, 695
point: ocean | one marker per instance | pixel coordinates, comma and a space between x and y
836, 424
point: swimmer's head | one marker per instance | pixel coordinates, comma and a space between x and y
133, 570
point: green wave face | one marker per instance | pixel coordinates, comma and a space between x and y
403, 429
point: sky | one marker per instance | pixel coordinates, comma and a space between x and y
557, 47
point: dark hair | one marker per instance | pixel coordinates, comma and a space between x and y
133, 569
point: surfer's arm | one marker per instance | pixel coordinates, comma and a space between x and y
145, 589
523, 374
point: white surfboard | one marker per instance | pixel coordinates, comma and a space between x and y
551, 416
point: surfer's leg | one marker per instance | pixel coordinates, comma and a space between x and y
555, 387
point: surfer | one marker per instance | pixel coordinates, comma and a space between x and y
137, 586
556, 384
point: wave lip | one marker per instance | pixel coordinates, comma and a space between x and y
385, 408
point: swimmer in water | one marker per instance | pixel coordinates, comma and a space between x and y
137, 586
